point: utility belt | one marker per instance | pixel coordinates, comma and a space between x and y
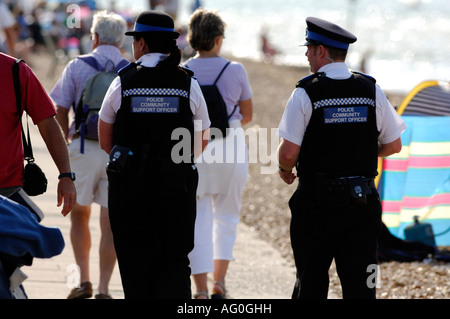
339, 192
125, 161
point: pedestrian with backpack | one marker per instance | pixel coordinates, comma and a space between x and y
222, 180
81, 87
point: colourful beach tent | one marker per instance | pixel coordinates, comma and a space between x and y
416, 182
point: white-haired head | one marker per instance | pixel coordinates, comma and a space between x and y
110, 28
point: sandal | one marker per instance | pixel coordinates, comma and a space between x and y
201, 295
218, 295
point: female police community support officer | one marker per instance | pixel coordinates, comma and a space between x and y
335, 125
151, 194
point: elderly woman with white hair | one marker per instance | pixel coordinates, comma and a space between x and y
88, 164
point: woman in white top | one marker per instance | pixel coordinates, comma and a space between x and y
223, 167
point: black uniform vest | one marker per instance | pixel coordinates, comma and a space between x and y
341, 139
154, 104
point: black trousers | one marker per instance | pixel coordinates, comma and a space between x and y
152, 218
321, 232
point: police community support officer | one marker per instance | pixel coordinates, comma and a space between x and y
335, 125
152, 198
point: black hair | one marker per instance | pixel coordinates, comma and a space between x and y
158, 42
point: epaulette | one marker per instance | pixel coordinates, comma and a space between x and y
365, 75
187, 70
308, 78
125, 68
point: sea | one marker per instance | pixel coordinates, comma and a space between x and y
400, 42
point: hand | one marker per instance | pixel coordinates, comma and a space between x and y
287, 177
67, 194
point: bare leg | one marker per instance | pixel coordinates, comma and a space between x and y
220, 271
201, 282
106, 251
81, 238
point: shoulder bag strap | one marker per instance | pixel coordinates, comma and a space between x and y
218, 77
28, 150
91, 61
234, 110
121, 65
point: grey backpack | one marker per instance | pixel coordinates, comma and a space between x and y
86, 112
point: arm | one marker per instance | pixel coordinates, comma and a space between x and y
7, 23
201, 140
287, 158
62, 117
385, 150
10, 40
205, 140
246, 108
105, 136
56, 145
107, 115
389, 124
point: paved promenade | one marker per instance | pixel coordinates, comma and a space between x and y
258, 271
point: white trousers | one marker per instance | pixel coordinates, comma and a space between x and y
216, 221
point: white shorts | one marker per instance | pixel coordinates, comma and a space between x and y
90, 170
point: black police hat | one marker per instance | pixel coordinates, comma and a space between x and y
154, 22
323, 32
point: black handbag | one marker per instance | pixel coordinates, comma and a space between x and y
34, 180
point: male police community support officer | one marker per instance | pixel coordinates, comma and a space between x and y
335, 125
152, 199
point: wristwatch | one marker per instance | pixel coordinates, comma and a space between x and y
70, 175
282, 169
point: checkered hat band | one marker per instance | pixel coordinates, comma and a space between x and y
344, 101
147, 91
